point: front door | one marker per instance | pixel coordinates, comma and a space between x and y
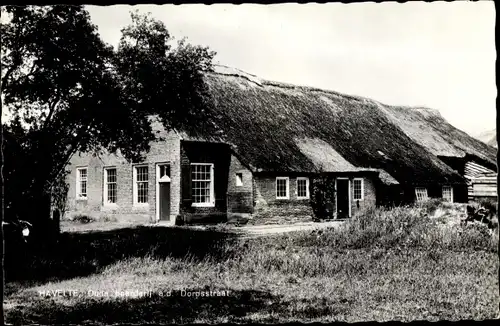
342, 198
164, 201
163, 191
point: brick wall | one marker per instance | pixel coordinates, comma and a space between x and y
202, 152
369, 196
165, 151
266, 203
239, 197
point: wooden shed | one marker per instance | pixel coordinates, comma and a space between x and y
481, 182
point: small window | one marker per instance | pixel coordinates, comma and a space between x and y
110, 186
141, 185
421, 194
358, 189
448, 194
164, 170
302, 188
239, 179
202, 184
81, 183
282, 188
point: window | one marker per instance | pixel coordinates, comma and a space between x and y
302, 188
164, 170
81, 183
448, 193
141, 182
110, 186
282, 189
421, 194
358, 189
202, 184
239, 179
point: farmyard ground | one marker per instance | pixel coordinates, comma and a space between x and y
400, 265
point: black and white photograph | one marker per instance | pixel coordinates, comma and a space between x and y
249, 163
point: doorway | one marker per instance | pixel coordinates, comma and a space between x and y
163, 192
343, 198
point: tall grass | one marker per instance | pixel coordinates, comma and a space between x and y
383, 264
403, 227
378, 233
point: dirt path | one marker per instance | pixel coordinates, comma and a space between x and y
244, 231
263, 230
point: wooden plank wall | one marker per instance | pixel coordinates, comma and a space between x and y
482, 182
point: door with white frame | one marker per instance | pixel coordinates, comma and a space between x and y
163, 192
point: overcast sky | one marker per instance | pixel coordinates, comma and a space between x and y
439, 55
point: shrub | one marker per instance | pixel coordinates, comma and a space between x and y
489, 204
323, 197
83, 219
180, 220
431, 205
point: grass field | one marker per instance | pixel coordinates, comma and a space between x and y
383, 265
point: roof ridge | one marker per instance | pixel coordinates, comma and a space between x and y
266, 82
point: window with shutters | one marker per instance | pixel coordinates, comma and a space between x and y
202, 184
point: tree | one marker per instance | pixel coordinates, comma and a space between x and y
68, 91
161, 77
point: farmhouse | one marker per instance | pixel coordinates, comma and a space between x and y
471, 158
269, 143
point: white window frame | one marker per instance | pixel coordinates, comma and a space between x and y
416, 194
362, 188
212, 194
105, 183
307, 187
287, 187
451, 192
238, 180
135, 188
78, 183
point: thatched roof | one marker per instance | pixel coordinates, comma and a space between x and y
428, 128
285, 128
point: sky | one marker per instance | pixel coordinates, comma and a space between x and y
433, 54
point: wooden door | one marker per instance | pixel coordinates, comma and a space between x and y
164, 201
342, 198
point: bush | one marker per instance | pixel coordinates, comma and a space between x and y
83, 219
489, 204
323, 197
179, 220
430, 205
